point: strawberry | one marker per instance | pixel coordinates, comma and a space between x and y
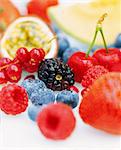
101, 106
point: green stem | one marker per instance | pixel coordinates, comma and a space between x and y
104, 41
92, 43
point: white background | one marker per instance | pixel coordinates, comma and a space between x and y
18, 132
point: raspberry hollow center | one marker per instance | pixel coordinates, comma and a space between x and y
52, 122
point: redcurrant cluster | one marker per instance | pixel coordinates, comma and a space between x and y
11, 70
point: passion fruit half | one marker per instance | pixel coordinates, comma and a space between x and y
29, 32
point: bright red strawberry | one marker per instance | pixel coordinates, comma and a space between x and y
101, 106
13, 99
92, 74
56, 121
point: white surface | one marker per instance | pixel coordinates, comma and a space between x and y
18, 132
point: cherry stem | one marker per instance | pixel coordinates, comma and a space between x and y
98, 28
92, 43
104, 41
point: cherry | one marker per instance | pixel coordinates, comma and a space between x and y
2, 77
22, 55
74, 88
80, 64
13, 72
109, 59
37, 54
4, 62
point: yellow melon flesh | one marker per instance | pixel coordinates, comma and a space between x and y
79, 20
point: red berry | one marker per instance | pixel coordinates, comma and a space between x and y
13, 72
92, 74
4, 61
101, 106
37, 54
79, 64
108, 59
22, 55
29, 77
116, 67
84, 91
2, 77
56, 121
31, 66
13, 99
74, 88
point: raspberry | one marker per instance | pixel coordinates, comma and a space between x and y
101, 106
92, 74
56, 121
13, 99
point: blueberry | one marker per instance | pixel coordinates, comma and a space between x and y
32, 85
63, 44
68, 53
70, 98
43, 96
33, 111
118, 41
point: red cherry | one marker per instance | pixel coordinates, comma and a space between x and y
80, 64
2, 77
13, 72
108, 59
74, 88
116, 67
37, 54
4, 61
22, 54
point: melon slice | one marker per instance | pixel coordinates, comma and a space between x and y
29, 32
79, 20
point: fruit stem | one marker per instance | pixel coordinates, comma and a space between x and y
92, 43
4, 67
99, 24
104, 41
98, 28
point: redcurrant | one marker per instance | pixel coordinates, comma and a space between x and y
22, 54
13, 72
4, 62
2, 77
74, 88
37, 54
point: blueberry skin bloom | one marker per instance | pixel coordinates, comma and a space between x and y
44, 96
70, 98
32, 85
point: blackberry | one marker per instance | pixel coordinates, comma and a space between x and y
55, 74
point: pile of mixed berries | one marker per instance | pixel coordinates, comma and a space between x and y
53, 95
